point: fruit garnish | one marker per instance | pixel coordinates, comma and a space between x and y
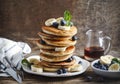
26, 62
37, 68
74, 38
80, 62
114, 67
101, 66
50, 21
69, 59
106, 59
61, 71
34, 61
67, 17
55, 24
63, 22
115, 60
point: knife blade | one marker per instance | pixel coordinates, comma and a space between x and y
11, 72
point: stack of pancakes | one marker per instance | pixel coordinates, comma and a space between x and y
56, 48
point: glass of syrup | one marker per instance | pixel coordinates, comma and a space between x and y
97, 44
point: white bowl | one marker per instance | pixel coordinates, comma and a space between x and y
105, 73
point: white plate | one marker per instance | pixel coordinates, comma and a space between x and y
85, 65
106, 73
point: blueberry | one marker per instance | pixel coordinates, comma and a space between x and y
80, 62
55, 24
99, 63
63, 22
103, 67
96, 65
74, 38
42, 42
88, 78
64, 70
69, 59
59, 71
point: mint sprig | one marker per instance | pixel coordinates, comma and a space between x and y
116, 60
67, 17
25, 62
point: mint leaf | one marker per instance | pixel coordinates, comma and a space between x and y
26, 63
67, 17
115, 60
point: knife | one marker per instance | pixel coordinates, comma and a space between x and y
11, 72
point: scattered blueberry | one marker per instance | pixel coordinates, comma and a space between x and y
88, 78
64, 70
80, 62
74, 38
42, 42
55, 24
63, 22
59, 71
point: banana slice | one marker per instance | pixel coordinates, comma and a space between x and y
34, 61
36, 68
106, 59
114, 67
64, 27
76, 67
60, 49
50, 21
59, 19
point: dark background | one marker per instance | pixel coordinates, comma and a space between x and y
22, 19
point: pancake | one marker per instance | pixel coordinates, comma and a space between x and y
58, 32
63, 63
53, 69
68, 51
46, 46
53, 58
50, 69
53, 37
60, 43
43, 46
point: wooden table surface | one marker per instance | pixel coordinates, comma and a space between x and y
88, 77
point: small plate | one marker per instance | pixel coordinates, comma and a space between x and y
85, 65
105, 73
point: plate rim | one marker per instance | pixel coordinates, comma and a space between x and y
53, 74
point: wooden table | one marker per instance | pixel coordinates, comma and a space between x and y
88, 77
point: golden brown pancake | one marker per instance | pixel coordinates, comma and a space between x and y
68, 51
53, 37
50, 69
63, 63
59, 43
53, 58
54, 69
58, 32
44, 46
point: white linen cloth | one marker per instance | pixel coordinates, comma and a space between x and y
14, 52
